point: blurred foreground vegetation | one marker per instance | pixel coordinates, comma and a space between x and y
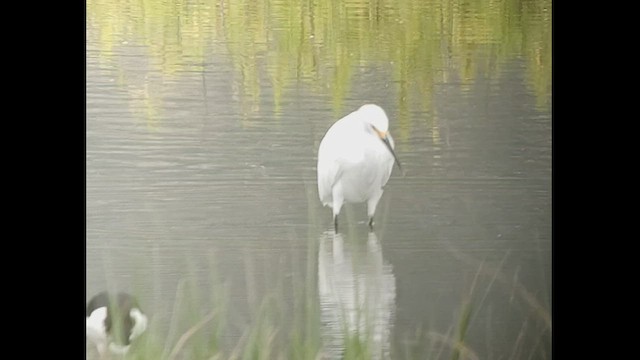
287, 322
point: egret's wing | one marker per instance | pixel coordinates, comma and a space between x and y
329, 171
332, 155
335, 154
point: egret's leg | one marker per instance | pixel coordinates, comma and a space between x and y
338, 200
371, 206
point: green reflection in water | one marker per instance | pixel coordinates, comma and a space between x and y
323, 45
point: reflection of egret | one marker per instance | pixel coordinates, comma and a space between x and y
357, 295
113, 322
355, 159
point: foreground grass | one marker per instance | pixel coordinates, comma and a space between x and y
286, 324
286, 321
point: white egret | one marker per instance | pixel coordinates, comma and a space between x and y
355, 160
114, 321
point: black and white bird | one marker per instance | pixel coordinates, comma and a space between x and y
113, 321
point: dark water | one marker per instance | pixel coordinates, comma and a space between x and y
203, 123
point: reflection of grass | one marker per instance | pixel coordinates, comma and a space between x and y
355, 348
280, 44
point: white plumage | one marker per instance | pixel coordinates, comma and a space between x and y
355, 160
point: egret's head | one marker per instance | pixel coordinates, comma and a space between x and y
375, 115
